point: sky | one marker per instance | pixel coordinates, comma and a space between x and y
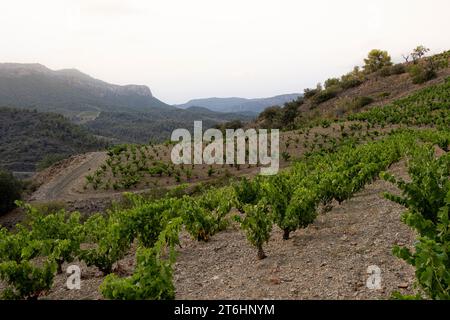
186, 49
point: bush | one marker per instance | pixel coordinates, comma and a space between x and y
10, 191
387, 71
49, 160
309, 93
24, 278
152, 278
325, 95
111, 241
398, 68
205, 215
361, 102
332, 82
257, 225
427, 199
350, 82
421, 74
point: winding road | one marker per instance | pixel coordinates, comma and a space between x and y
65, 184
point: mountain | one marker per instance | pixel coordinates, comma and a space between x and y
141, 127
239, 104
28, 137
69, 92
127, 113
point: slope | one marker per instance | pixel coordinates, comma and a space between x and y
27, 137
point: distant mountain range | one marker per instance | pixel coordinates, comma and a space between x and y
234, 104
69, 92
126, 113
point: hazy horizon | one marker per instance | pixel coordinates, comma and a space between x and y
187, 50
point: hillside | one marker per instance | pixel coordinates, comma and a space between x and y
27, 137
355, 92
239, 104
314, 230
69, 92
153, 125
128, 113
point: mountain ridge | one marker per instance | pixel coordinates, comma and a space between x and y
238, 104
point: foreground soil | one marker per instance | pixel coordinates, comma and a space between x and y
327, 260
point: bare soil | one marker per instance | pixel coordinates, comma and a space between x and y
327, 260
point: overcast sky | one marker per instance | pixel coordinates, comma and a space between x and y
185, 49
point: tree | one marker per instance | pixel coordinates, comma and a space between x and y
332, 82
10, 191
376, 60
418, 53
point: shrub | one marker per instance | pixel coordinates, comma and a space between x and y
247, 192
398, 68
385, 71
257, 224
361, 102
205, 215
10, 191
325, 95
421, 74
152, 278
49, 160
24, 279
59, 233
427, 199
332, 82
309, 93
111, 240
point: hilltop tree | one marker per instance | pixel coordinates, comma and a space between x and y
418, 53
376, 60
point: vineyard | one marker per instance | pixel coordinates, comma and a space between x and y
331, 168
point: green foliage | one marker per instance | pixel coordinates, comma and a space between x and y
28, 138
26, 280
427, 198
293, 206
325, 95
421, 73
428, 106
152, 278
24, 277
60, 234
145, 220
247, 192
332, 82
257, 225
10, 191
204, 216
49, 160
391, 70
376, 60
110, 241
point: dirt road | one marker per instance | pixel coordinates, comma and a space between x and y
67, 184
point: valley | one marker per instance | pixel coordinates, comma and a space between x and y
363, 182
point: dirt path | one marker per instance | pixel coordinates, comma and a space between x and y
64, 185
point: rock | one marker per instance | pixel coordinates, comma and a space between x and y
275, 280
403, 285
